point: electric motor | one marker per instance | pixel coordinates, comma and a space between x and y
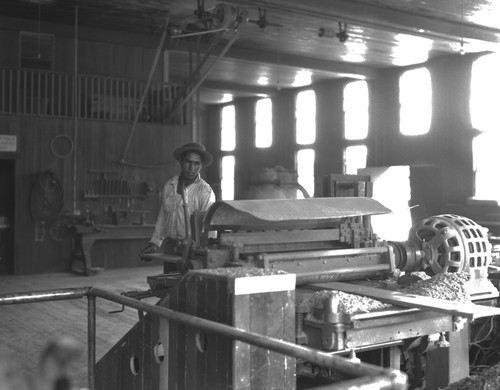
452, 243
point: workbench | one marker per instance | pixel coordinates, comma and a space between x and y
87, 235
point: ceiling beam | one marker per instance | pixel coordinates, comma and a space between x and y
240, 88
377, 17
335, 68
340, 69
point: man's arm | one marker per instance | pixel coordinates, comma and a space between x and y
159, 234
207, 198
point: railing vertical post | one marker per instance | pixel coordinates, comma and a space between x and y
3, 89
59, 95
86, 98
91, 314
11, 91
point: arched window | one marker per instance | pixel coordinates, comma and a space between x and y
356, 110
415, 99
354, 159
227, 178
485, 117
264, 123
305, 117
305, 171
228, 144
228, 129
305, 134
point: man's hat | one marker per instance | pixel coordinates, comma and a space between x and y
194, 147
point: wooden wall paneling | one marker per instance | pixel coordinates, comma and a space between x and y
7, 202
245, 163
284, 124
98, 145
212, 143
447, 146
95, 58
452, 125
46, 241
384, 117
147, 58
9, 42
330, 140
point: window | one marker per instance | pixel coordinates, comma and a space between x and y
305, 117
228, 144
305, 134
305, 171
354, 159
356, 110
485, 116
485, 93
391, 187
356, 105
263, 123
36, 50
485, 151
228, 129
415, 99
227, 178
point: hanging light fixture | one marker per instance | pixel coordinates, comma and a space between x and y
38, 55
462, 50
342, 35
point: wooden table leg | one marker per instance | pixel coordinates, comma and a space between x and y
81, 261
87, 244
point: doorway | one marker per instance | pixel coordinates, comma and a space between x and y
7, 200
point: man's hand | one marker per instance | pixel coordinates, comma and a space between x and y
150, 248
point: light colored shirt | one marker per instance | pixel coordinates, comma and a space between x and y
170, 221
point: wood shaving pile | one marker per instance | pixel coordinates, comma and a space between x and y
489, 379
242, 271
348, 303
449, 286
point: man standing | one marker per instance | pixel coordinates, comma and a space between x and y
182, 195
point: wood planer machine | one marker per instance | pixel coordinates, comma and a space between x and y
235, 267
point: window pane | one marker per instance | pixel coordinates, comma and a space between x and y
485, 93
391, 187
263, 123
227, 181
485, 155
228, 130
356, 110
415, 99
354, 159
305, 117
305, 171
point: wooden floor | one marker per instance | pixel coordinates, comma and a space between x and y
26, 328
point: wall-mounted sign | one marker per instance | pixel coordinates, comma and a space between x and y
8, 143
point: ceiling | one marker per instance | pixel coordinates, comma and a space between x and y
255, 47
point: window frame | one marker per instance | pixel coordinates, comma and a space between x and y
299, 121
409, 99
351, 105
228, 151
267, 126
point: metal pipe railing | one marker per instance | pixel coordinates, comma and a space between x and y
44, 296
366, 374
91, 333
